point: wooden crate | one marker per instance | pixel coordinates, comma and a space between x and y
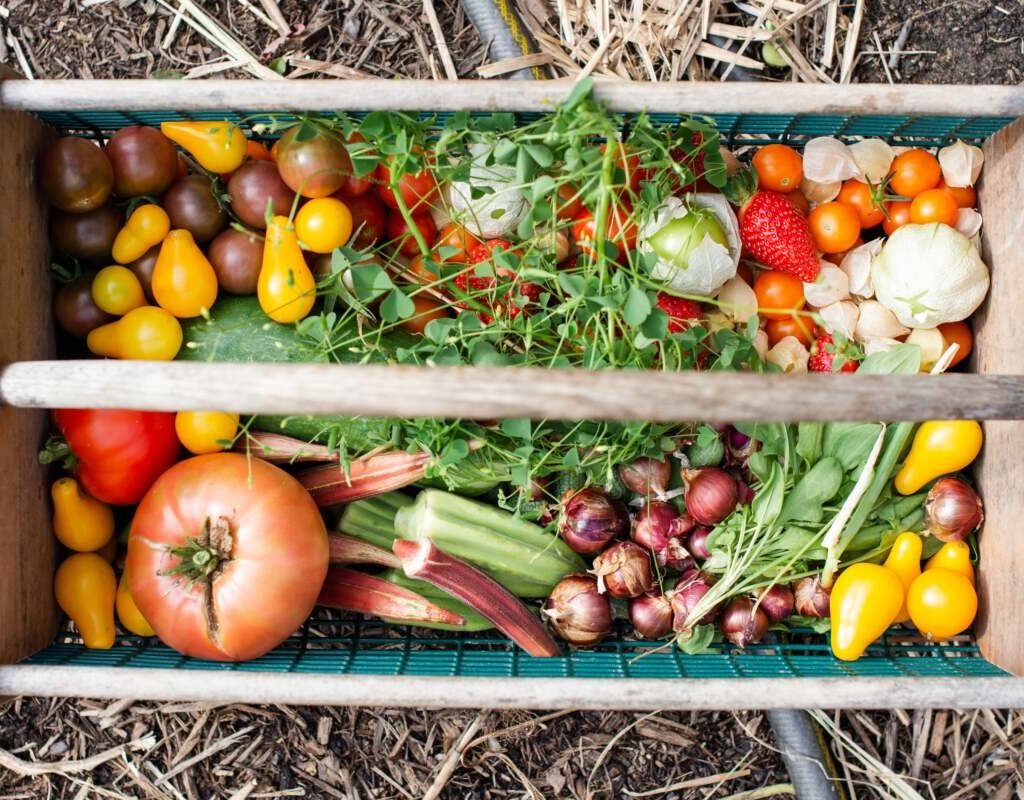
29, 383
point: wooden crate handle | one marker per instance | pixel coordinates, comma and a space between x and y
508, 392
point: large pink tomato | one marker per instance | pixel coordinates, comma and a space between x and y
226, 556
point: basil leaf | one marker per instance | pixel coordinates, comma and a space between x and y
901, 359
819, 485
850, 442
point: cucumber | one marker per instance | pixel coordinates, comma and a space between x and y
474, 621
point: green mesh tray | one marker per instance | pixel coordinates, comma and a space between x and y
329, 647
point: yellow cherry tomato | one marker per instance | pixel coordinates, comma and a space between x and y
148, 333
942, 603
865, 601
218, 146
940, 447
954, 556
128, 613
286, 288
85, 587
206, 431
184, 282
117, 290
145, 228
323, 224
905, 560
80, 522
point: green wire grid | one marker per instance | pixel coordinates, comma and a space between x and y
327, 646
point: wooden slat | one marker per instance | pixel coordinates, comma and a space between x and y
488, 393
997, 349
28, 616
539, 693
368, 95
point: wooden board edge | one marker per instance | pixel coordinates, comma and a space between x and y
1000, 627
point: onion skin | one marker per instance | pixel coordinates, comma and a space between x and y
952, 510
651, 615
689, 589
697, 542
711, 495
777, 602
590, 519
659, 528
811, 598
624, 570
577, 612
646, 476
742, 623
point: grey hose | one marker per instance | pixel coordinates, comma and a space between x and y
495, 31
810, 769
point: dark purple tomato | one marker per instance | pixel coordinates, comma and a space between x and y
369, 219
144, 160
143, 268
191, 204
313, 161
75, 175
74, 308
236, 258
87, 236
252, 187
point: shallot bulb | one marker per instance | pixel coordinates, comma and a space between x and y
811, 598
711, 494
688, 591
659, 528
578, 612
743, 623
952, 510
740, 446
590, 520
624, 570
651, 615
646, 476
777, 602
697, 542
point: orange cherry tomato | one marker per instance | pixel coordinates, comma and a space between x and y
274, 149
914, 171
427, 310
778, 295
800, 201
865, 200
620, 230
965, 196
570, 201
627, 167
456, 236
835, 226
419, 268
899, 215
837, 258
960, 333
934, 205
798, 325
779, 167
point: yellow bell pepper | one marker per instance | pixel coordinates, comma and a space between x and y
905, 560
940, 447
954, 556
286, 288
865, 601
145, 228
218, 146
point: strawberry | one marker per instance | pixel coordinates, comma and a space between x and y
772, 229
823, 355
680, 311
476, 284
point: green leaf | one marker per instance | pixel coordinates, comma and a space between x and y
279, 64
505, 151
808, 440
524, 167
370, 281
655, 327
456, 451
397, 305
572, 284
580, 92
518, 429
374, 124
850, 442
439, 330
540, 154
817, 487
542, 187
699, 640
637, 307
767, 504
901, 359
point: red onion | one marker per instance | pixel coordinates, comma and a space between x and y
711, 494
811, 598
952, 510
697, 542
590, 519
744, 493
740, 446
538, 489
742, 623
659, 528
689, 589
651, 615
624, 570
577, 612
646, 476
777, 602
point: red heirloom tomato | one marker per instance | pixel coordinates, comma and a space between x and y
119, 453
226, 556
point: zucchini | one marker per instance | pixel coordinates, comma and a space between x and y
474, 621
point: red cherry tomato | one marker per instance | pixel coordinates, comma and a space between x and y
398, 232
369, 218
354, 186
569, 201
898, 215
627, 167
418, 190
119, 453
620, 230
461, 240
